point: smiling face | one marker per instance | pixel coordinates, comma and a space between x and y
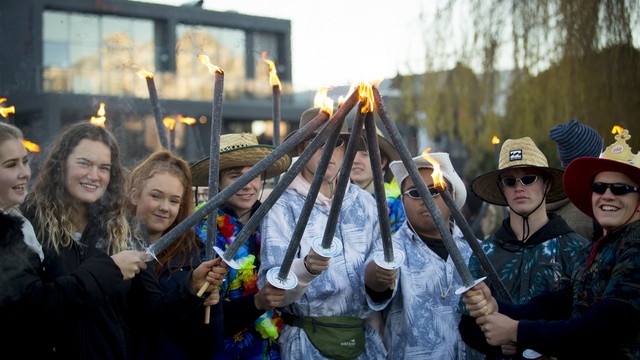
88, 171
14, 173
612, 211
158, 202
243, 200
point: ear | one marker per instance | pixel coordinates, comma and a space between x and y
134, 196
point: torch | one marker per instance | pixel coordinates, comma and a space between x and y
7, 112
155, 105
101, 118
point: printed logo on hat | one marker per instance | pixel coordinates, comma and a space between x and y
515, 155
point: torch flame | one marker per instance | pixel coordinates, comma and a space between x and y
2, 100
5, 111
365, 94
438, 179
495, 140
169, 123
144, 74
273, 75
100, 119
323, 101
186, 120
31, 147
617, 129
212, 68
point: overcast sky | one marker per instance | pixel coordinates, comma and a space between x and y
338, 42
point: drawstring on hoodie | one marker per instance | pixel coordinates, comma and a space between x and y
525, 218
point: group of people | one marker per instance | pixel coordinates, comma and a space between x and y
76, 260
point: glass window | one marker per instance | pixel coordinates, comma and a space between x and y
225, 48
94, 54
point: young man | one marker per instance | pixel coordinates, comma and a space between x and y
421, 318
596, 315
532, 249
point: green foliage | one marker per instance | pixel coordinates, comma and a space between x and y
572, 60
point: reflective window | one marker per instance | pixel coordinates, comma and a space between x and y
95, 54
225, 48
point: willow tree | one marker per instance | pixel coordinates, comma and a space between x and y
522, 67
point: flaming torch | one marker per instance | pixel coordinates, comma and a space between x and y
155, 105
407, 160
100, 119
441, 186
214, 155
495, 140
31, 146
191, 122
7, 112
276, 88
170, 124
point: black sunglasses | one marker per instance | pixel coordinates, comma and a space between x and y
616, 189
526, 180
415, 195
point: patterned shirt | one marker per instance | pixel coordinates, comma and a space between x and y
339, 290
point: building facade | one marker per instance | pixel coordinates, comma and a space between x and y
62, 58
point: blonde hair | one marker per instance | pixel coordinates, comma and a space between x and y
8, 132
50, 201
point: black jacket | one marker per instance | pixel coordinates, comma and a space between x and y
100, 327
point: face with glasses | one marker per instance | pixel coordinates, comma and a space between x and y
614, 199
335, 163
523, 189
417, 214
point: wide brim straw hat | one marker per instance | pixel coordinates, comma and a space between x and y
580, 173
518, 153
309, 115
448, 171
239, 150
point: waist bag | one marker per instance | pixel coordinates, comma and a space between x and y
336, 337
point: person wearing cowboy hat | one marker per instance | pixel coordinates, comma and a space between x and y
597, 314
362, 175
421, 321
531, 249
328, 287
250, 322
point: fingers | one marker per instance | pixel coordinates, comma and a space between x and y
269, 297
315, 263
386, 276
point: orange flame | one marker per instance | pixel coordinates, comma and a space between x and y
100, 119
144, 74
617, 129
186, 120
5, 111
2, 100
212, 68
495, 140
169, 123
323, 101
438, 179
273, 74
31, 147
365, 94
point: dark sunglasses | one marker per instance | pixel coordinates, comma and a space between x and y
415, 195
616, 189
526, 180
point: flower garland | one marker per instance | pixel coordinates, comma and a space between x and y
244, 281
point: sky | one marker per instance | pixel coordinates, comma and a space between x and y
341, 42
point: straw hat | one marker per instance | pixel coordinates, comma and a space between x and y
309, 115
579, 175
449, 173
239, 150
517, 153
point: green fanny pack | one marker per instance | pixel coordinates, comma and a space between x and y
336, 337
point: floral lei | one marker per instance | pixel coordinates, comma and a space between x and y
244, 280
